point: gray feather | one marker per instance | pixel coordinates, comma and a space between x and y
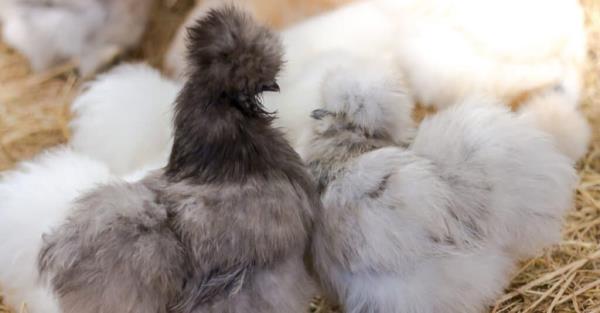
224, 227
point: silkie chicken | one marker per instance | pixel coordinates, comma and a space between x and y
224, 226
123, 118
448, 51
48, 32
37, 196
437, 226
280, 13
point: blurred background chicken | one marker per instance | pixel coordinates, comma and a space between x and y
93, 32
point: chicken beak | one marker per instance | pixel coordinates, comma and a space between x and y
272, 86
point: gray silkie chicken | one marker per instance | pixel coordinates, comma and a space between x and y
224, 226
439, 225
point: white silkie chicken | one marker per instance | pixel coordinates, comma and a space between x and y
56, 178
94, 32
35, 198
123, 118
448, 50
437, 226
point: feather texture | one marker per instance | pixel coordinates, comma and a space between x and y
437, 226
224, 226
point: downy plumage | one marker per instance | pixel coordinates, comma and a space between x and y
124, 118
437, 226
447, 50
224, 227
36, 196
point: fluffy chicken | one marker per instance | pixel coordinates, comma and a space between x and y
37, 196
48, 32
123, 118
447, 50
280, 13
224, 227
437, 226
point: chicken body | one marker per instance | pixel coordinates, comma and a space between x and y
224, 226
437, 226
91, 31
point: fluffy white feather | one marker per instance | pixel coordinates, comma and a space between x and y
531, 182
446, 50
362, 28
49, 32
553, 113
503, 48
124, 118
450, 49
36, 197
439, 226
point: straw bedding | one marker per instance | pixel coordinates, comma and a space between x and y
34, 115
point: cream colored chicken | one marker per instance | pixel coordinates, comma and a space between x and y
447, 50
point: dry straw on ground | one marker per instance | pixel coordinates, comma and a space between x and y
34, 115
